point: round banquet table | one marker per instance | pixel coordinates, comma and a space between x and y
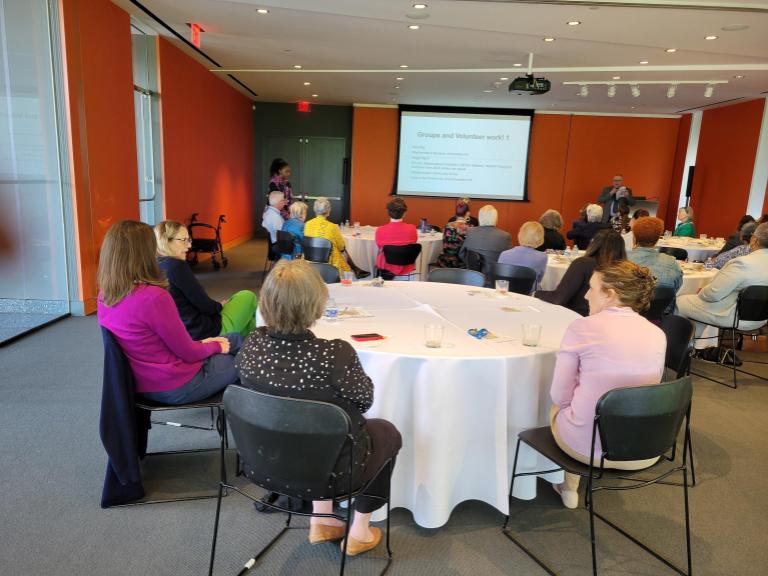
460, 407
697, 248
694, 277
363, 250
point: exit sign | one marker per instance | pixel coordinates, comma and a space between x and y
195, 31
303, 106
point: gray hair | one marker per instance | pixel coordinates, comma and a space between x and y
594, 213
488, 216
275, 197
761, 235
322, 206
551, 219
745, 234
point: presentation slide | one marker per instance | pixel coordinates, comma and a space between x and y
455, 154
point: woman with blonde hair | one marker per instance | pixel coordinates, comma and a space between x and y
168, 365
613, 347
530, 236
295, 225
203, 316
285, 358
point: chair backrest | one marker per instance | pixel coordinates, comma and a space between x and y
316, 249
329, 273
677, 253
285, 242
287, 445
457, 276
753, 304
474, 261
272, 253
642, 422
404, 255
663, 297
521, 278
679, 332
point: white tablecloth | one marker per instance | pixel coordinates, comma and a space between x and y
697, 249
692, 279
460, 407
363, 250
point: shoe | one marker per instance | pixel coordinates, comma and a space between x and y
319, 533
570, 497
355, 547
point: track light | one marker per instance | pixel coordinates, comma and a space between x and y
635, 90
584, 91
611, 90
708, 91
671, 91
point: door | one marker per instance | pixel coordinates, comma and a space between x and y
322, 169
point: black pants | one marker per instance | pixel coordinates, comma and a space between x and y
385, 444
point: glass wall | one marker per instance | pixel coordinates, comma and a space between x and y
33, 257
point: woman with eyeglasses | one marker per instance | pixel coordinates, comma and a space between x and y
168, 365
203, 316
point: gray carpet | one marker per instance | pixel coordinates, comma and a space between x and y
53, 465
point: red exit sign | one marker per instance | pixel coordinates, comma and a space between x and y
195, 30
303, 106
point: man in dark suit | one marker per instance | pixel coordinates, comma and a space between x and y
610, 196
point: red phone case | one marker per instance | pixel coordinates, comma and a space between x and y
366, 337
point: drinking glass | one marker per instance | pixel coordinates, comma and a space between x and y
531, 334
502, 287
331, 309
433, 335
357, 228
347, 278
702, 236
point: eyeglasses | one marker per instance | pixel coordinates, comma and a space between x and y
185, 240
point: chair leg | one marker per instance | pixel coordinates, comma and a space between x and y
389, 509
346, 534
511, 486
215, 529
690, 456
687, 517
591, 507
733, 355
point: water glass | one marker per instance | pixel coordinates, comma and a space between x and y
331, 310
667, 234
347, 278
433, 335
357, 228
531, 334
702, 236
502, 287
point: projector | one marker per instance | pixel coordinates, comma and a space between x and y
530, 85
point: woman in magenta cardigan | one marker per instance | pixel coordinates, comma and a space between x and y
168, 365
613, 347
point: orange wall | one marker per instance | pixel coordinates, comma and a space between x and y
724, 165
207, 139
99, 95
571, 159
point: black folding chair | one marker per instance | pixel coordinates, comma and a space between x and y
679, 333
474, 261
285, 243
676, 253
273, 255
316, 249
663, 298
635, 423
457, 276
521, 278
293, 447
751, 306
214, 403
405, 255
329, 273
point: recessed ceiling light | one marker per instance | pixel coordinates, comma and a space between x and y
670, 50
314, 95
262, 10
399, 78
548, 39
739, 76
503, 78
617, 77
397, 86
307, 83
574, 23
297, 66
487, 91
643, 61
517, 64
711, 37
419, 6
413, 27
403, 65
